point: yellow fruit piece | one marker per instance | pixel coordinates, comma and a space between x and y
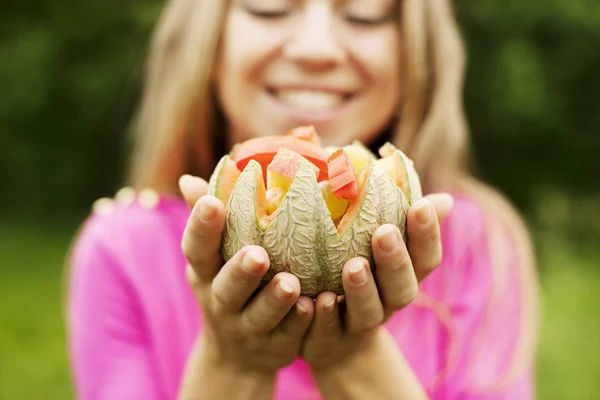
360, 157
274, 198
277, 180
336, 206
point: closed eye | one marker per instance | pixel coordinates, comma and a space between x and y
369, 21
270, 11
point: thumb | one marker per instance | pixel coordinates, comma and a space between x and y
192, 188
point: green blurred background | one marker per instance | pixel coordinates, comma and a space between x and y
69, 81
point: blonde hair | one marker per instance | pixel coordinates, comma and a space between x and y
178, 123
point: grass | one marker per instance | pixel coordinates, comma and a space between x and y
34, 365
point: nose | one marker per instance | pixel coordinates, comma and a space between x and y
313, 42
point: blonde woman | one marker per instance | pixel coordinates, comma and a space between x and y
150, 321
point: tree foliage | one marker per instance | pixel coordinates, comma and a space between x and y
70, 78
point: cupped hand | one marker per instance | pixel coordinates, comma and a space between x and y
249, 330
342, 329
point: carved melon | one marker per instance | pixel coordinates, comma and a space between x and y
303, 226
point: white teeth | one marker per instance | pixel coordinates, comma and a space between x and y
310, 100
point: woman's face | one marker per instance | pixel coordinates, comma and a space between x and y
333, 64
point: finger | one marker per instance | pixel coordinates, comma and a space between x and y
271, 304
327, 323
103, 206
125, 196
201, 241
424, 244
148, 198
443, 203
395, 275
239, 278
297, 321
364, 310
192, 188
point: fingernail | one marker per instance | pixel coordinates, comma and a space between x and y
358, 273
424, 213
184, 181
329, 305
208, 209
300, 310
388, 241
285, 290
252, 262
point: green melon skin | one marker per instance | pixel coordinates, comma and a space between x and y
302, 239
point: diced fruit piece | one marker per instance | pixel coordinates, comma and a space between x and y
365, 148
261, 194
342, 177
307, 133
274, 198
283, 168
387, 150
336, 206
360, 157
263, 149
346, 186
223, 179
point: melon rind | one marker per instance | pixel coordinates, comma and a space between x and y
301, 234
381, 203
301, 238
213, 182
243, 226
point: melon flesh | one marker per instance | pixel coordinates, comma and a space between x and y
342, 178
401, 169
223, 179
336, 206
274, 198
283, 168
360, 156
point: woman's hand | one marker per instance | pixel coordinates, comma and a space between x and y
247, 332
344, 329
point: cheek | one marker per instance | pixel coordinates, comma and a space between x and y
378, 56
246, 48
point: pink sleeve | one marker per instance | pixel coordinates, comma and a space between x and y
108, 346
491, 318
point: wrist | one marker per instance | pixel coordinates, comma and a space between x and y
209, 376
228, 364
362, 351
377, 371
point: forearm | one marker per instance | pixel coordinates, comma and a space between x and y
205, 378
380, 372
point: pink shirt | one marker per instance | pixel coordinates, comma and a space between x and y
133, 319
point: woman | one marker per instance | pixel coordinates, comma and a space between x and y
370, 70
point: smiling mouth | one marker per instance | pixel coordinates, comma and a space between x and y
310, 100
